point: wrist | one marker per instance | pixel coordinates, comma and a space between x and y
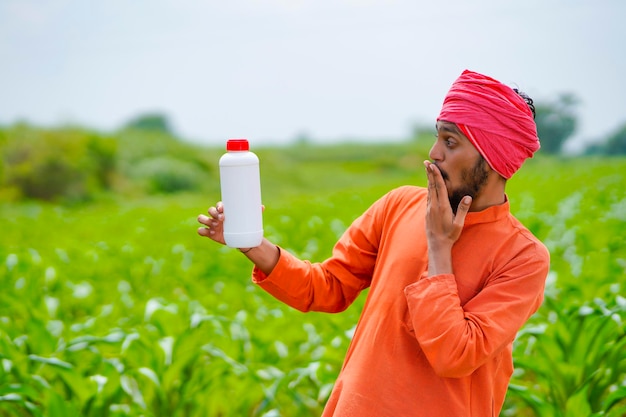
245, 250
440, 246
439, 261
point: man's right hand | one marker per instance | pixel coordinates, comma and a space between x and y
213, 225
265, 256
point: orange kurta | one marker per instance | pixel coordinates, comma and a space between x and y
424, 346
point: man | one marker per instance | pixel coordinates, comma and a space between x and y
452, 274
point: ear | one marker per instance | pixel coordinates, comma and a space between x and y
494, 177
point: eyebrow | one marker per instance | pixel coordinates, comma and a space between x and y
450, 128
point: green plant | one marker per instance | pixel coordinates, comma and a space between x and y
66, 163
118, 308
573, 363
164, 174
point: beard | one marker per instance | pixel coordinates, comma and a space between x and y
473, 179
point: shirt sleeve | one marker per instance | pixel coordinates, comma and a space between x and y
329, 286
459, 339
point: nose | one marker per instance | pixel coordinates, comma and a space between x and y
435, 153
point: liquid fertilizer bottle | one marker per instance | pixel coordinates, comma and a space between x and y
240, 182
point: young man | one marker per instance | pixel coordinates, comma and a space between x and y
452, 274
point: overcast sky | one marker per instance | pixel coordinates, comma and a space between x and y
272, 70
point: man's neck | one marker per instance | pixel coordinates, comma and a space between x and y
492, 194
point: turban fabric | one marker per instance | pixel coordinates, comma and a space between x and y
495, 119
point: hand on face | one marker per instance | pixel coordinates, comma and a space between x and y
443, 226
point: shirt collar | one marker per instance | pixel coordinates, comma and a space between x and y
490, 214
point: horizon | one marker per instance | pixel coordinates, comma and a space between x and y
277, 70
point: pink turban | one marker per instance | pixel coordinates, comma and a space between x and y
494, 118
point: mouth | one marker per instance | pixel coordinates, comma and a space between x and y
444, 174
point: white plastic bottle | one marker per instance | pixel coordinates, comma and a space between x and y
240, 182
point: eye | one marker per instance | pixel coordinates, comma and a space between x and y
449, 142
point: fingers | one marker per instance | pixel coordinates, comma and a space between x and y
212, 223
205, 220
204, 231
436, 185
217, 212
430, 179
429, 174
461, 212
440, 185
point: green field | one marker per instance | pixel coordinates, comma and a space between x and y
118, 308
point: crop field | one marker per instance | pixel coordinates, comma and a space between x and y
118, 308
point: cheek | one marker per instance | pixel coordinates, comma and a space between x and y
458, 177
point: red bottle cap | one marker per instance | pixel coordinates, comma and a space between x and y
237, 145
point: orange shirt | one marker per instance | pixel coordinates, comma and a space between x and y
424, 346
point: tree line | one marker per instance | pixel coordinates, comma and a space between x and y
74, 164
557, 121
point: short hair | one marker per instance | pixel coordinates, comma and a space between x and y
527, 99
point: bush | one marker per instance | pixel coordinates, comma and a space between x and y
615, 144
159, 163
154, 122
67, 163
165, 174
556, 122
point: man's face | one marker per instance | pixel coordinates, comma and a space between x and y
464, 170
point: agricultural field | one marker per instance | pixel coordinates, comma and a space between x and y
117, 307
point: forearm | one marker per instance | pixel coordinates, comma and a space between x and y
456, 336
439, 260
306, 286
453, 344
265, 256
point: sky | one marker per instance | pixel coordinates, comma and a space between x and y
276, 70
